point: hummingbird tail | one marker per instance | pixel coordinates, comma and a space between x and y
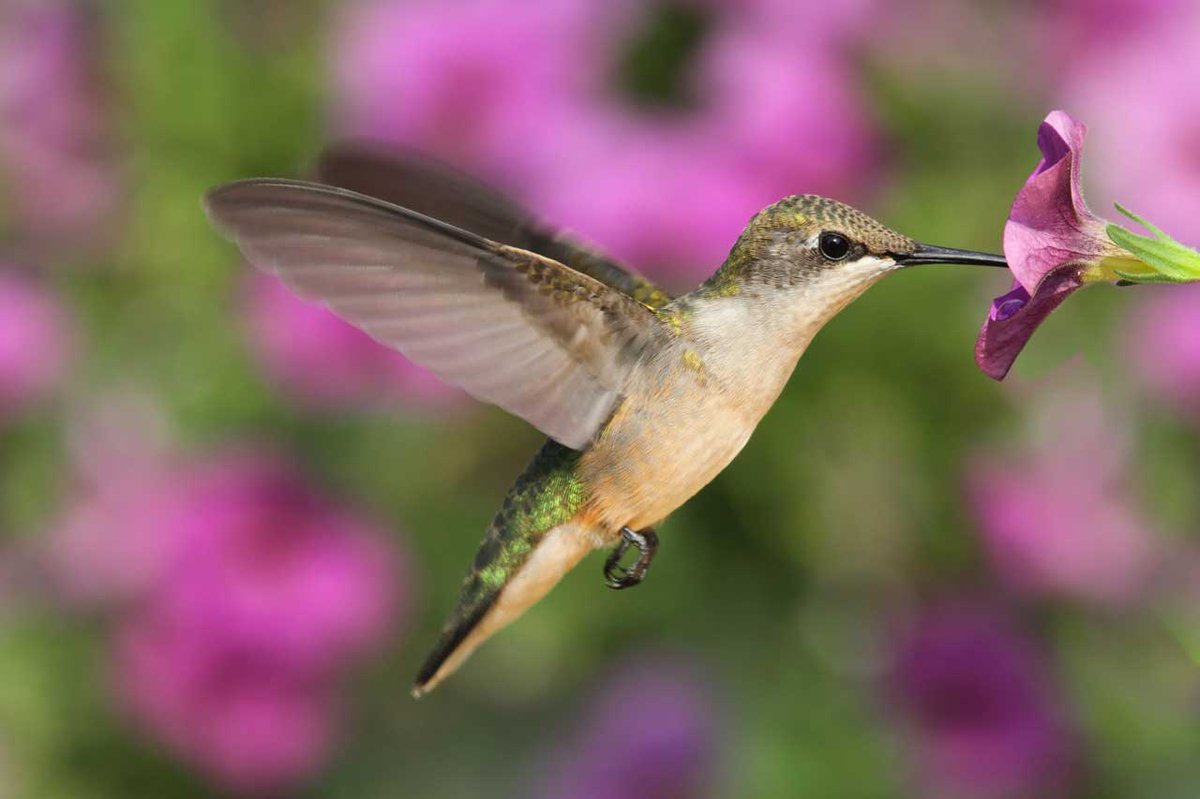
538, 535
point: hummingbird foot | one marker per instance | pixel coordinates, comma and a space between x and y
617, 576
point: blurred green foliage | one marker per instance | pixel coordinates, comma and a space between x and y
782, 576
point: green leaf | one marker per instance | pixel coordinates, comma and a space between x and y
1143, 278
1141, 220
1175, 262
1158, 254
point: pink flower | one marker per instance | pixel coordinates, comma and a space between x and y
673, 191
468, 80
251, 599
1164, 347
1051, 533
1076, 33
1050, 224
1057, 517
974, 693
612, 203
323, 361
94, 555
251, 722
652, 733
50, 149
530, 99
262, 561
1142, 100
35, 343
97, 556
1053, 243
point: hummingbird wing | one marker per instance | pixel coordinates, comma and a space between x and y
425, 185
541, 340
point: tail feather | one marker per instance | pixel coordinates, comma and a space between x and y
537, 536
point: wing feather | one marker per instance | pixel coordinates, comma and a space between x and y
412, 180
544, 341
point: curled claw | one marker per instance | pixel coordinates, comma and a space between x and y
617, 576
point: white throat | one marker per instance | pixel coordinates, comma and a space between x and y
751, 341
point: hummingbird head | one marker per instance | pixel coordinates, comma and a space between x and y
830, 251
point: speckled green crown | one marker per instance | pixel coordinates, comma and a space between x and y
794, 220
809, 213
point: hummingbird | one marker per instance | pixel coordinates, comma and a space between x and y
644, 397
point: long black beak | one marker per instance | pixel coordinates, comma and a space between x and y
929, 254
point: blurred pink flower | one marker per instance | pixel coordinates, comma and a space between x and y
468, 80
50, 120
326, 362
248, 597
1073, 32
652, 733
975, 696
528, 99
93, 555
253, 722
1050, 532
632, 208
1164, 347
97, 556
35, 343
1142, 101
262, 561
1057, 517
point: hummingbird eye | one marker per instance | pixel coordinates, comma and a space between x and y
834, 246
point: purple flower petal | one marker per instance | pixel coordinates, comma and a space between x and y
1050, 224
1052, 242
1007, 305
1015, 315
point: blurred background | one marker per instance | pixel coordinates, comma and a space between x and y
232, 526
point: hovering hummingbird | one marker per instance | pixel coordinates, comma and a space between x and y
645, 397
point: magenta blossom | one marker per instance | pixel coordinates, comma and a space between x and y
1057, 515
93, 566
94, 555
1076, 34
1165, 347
35, 343
975, 695
1053, 244
651, 734
325, 362
1058, 533
1147, 91
58, 179
253, 722
263, 561
241, 597
1050, 225
529, 96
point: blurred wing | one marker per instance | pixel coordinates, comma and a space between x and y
540, 340
429, 187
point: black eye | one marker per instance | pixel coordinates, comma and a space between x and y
834, 246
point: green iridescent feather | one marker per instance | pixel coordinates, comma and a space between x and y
548, 493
